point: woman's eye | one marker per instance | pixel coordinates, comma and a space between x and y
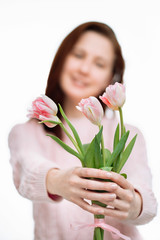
78, 55
101, 65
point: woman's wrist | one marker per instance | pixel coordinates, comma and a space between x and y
139, 203
50, 181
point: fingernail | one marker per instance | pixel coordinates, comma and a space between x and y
114, 186
112, 196
109, 174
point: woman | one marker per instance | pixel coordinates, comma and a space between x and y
87, 61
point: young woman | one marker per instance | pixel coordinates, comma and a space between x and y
87, 61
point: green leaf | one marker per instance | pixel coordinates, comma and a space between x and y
89, 155
77, 138
50, 121
124, 175
124, 129
107, 155
98, 157
93, 158
115, 163
119, 148
116, 137
85, 146
99, 135
125, 155
106, 168
66, 147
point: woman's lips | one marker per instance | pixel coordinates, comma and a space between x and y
79, 83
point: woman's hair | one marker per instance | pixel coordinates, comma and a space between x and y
53, 89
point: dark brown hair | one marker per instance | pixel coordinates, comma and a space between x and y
53, 89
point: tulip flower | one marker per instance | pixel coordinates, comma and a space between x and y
114, 96
92, 109
44, 109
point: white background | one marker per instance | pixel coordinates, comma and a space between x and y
30, 32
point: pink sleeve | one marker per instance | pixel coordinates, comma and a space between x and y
139, 175
29, 161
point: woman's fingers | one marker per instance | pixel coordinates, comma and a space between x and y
122, 215
101, 174
102, 197
120, 180
118, 193
90, 173
111, 188
94, 209
80, 184
96, 185
119, 205
126, 195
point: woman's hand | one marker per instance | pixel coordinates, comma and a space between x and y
128, 202
74, 186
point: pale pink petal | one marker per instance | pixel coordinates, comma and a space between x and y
97, 106
52, 118
50, 103
92, 109
79, 108
114, 96
43, 108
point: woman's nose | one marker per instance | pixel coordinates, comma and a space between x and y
85, 66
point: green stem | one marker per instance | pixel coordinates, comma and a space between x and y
71, 138
102, 233
97, 233
102, 144
121, 120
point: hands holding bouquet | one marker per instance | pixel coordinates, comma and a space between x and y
99, 179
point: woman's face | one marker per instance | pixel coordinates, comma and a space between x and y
88, 67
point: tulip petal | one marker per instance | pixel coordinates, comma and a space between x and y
50, 103
79, 108
92, 109
114, 96
44, 108
50, 118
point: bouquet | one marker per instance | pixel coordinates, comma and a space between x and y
94, 154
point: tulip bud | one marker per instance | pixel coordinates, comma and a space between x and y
114, 96
43, 108
92, 109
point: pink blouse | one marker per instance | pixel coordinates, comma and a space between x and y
33, 154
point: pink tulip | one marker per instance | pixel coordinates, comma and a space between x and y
114, 96
43, 108
92, 109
